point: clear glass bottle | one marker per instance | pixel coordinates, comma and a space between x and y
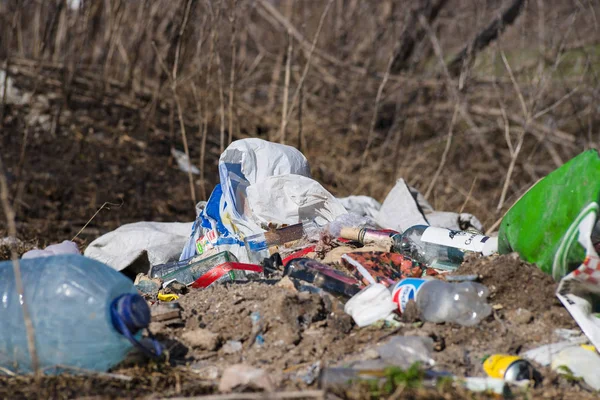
441, 248
322, 276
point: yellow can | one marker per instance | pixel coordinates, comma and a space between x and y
508, 367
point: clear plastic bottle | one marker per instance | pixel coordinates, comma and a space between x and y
84, 313
438, 301
441, 248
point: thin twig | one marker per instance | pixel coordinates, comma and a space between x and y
233, 21
221, 104
186, 17
275, 76
462, 208
437, 48
286, 89
376, 108
300, 132
308, 61
517, 149
202, 140
445, 154
106, 204
214, 21
12, 232
511, 149
555, 104
181, 120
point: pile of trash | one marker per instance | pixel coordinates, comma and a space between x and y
269, 221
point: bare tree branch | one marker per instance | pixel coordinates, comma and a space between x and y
413, 33
485, 37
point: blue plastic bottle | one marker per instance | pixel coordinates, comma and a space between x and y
85, 315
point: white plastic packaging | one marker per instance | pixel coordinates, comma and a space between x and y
66, 247
579, 362
370, 305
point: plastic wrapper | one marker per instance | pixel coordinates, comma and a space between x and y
384, 268
403, 351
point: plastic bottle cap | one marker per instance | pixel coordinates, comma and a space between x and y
130, 313
133, 311
491, 246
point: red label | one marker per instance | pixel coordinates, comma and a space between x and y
211, 276
221, 270
298, 254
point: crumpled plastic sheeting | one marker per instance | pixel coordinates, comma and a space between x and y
452, 220
140, 245
404, 207
292, 198
183, 162
248, 162
66, 247
365, 206
370, 305
400, 211
258, 159
420, 199
260, 182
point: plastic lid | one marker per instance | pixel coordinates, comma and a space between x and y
129, 314
491, 246
133, 311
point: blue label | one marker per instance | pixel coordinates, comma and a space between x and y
406, 290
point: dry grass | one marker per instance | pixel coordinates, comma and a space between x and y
370, 90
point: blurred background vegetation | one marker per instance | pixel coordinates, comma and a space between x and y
470, 101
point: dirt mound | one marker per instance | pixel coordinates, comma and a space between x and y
514, 283
526, 315
302, 333
299, 329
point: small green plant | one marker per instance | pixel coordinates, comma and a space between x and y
568, 374
411, 378
444, 383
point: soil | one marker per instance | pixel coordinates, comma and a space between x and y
304, 332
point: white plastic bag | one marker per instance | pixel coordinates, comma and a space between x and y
399, 210
287, 199
364, 206
404, 207
66, 247
261, 183
142, 243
